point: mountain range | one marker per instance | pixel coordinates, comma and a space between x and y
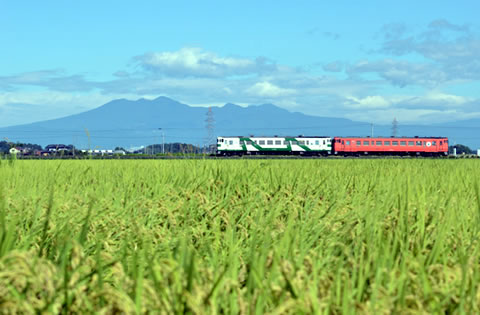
127, 123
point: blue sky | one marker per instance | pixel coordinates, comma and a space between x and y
364, 60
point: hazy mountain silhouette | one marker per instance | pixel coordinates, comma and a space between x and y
134, 123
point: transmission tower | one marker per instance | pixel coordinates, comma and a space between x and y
394, 127
210, 126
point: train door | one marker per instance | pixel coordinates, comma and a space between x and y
338, 145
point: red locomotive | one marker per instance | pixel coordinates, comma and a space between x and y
424, 146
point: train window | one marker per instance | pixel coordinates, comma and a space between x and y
379, 142
359, 142
441, 142
249, 142
295, 142
270, 142
403, 142
387, 142
348, 142
343, 141
394, 142
434, 142
301, 141
285, 142
277, 142
419, 143
366, 142
261, 141
318, 142
410, 143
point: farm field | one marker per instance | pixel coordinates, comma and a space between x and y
240, 236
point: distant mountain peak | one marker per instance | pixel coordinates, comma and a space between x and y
163, 99
231, 105
130, 123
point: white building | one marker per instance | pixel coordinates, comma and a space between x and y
14, 151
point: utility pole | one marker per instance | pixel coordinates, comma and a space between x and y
163, 140
73, 145
210, 126
371, 130
394, 127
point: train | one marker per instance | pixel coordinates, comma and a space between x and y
328, 146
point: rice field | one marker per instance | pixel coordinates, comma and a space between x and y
240, 236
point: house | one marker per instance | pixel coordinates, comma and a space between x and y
58, 148
14, 151
19, 150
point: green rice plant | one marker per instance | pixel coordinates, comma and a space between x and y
240, 236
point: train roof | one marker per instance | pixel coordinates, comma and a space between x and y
386, 137
251, 136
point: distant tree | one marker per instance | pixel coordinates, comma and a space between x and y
461, 149
6, 146
182, 148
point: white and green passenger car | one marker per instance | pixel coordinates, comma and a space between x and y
301, 145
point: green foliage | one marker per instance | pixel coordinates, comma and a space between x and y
244, 236
461, 149
6, 146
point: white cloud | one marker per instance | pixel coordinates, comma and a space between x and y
196, 62
197, 77
27, 107
449, 99
267, 89
375, 101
